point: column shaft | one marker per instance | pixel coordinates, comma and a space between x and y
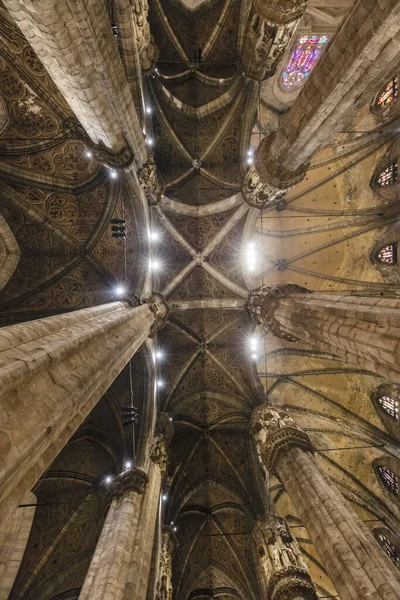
120, 566
52, 373
75, 43
362, 330
360, 58
357, 566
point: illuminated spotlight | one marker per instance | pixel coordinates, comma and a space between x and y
164, 497
120, 290
172, 523
154, 265
159, 355
253, 343
150, 142
108, 479
149, 110
154, 236
250, 152
113, 174
156, 70
89, 154
170, 418
254, 356
175, 529
250, 160
128, 465
160, 383
251, 257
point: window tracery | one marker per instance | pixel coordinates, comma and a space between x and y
389, 478
389, 548
388, 94
389, 175
303, 59
390, 406
387, 255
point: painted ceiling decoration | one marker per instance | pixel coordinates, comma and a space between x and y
338, 229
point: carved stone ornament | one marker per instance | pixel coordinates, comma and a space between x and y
280, 11
281, 562
160, 309
147, 49
164, 584
148, 180
262, 303
275, 432
132, 480
267, 180
162, 440
269, 31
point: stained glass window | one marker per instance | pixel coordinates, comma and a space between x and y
303, 59
389, 93
387, 255
389, 548
390, 406
389, 175
389, 478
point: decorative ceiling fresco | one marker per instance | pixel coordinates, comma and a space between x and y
206, 118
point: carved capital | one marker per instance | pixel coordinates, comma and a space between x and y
269, 31
132, 480
281, 563
115, 160
280, 11
262, 303
160, 309
267, 180
275, 432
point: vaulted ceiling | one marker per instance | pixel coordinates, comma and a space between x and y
58, 204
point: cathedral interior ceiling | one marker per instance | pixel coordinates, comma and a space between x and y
58, 203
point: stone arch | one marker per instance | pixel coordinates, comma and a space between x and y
9, 250
14, 535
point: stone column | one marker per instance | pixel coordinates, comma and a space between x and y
75, 42
269, 31
121, 563
362, 55
363, 330
283, 570
356, 564
52, 373
169, 543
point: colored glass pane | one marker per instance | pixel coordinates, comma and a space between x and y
387, 255
389, 93
389, 478
303, 59
389, 548
390, 406
389, 175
